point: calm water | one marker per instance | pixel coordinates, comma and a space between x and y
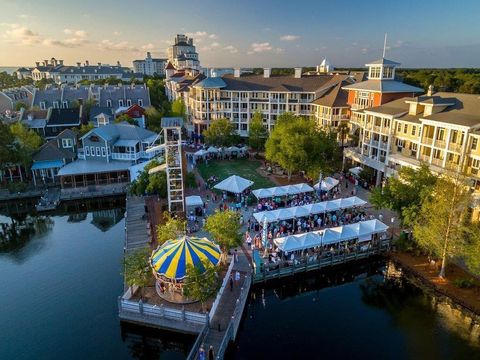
59, 294
351, 314
60, 286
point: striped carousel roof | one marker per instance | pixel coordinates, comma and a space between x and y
171, 259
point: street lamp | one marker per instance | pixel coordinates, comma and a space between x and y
393, 225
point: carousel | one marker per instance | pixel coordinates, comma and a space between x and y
170, 260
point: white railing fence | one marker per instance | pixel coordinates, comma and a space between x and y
222, 288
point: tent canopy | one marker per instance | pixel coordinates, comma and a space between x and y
200, 152
356, 170
362, 231
234, 184
193, 201
170, 259
327, 184
212, 149
282, 190
309, 209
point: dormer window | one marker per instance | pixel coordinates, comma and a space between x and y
43, 105
129, 102
388, 72
140, 102
65, 104
120, 102
375, 72
109, 103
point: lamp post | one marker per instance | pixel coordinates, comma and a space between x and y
265, 236
393, 225
320, 178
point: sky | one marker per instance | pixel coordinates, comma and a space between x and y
243, 33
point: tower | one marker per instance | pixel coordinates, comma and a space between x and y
172, 132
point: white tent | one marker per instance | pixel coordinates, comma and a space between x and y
310, 209
212, 150
193, 201
234, 184
282, 190
200, 152
233, 149
356, 170
327, 184
362, 231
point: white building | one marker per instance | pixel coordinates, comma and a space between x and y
150, 66
182, 54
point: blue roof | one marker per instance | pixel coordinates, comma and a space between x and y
211, 82
49, 164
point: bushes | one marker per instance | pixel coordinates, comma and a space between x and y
464, 283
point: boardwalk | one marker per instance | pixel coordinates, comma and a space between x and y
136, 226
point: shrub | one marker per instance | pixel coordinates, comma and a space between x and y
464, 283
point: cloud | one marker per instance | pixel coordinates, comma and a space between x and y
210, 47
148, 47
116, 33
231, 49
198, 36
25, 16
22, 35
76, 33
289, 37
213, 36
118, 46
257, 48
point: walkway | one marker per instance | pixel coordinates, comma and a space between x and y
137, 229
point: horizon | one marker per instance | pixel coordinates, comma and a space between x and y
347, 34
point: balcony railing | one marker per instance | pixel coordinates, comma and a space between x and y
126, 156
427, 141
424, 158
455, 147
438, 162
440, 143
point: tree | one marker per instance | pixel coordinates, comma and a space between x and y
342, 132
296, 143
171, 229
443, 222
150, 183
220, 133
257, 134
200, 282
406, 193
137, 269
28, 140
20, 105
225, 229
154, 118
85, 128
8, 147
179, 109
125, 118
158, 97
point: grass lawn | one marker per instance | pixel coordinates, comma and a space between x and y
241, 167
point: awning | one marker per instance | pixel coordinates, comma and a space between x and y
193, 201
327, 184
234, 184
282, 190
356, 170
50, 164
200, 152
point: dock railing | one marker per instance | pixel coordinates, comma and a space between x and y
221, 290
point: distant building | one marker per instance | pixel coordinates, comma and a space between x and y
63, 74
150, 66
10, 97
182, 54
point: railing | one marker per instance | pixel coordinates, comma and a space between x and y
427, 141
192, 355
438, 162
424, 158
440, 143
220, 291
455, 147
126, 156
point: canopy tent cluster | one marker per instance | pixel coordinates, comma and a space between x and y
282, 191
193, 201
327, 184
309, 209
215, 150
170, 260
362, 231
234, 184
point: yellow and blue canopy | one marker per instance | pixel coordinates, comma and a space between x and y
171, 259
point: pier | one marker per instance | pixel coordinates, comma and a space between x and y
137, 228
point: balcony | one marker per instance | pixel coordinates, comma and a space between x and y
427, 141
437, 162
455, 147
424, 158
126, 156
440, 144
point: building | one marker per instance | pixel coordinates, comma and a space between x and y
63, 74
238, 96
51, 122
23, 73
380, 88
182, 54
9, 98
52, 156
150, 66
106, 155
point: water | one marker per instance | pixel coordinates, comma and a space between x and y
351, 314
61, 280
59, 294
9, 69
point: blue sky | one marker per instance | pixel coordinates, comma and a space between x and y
243, 33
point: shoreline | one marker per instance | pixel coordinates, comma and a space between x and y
425, 276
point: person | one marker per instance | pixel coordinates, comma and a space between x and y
211, 354
237, 276
231, 282
235, 256
201, 353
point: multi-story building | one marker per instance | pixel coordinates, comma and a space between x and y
237, 97
182, 54
63, 74
150, 66
9, 98
380, 88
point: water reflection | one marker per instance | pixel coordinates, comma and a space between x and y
105, 219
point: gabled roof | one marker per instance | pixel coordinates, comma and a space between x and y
170, 66
335, 96
50, 151
67, 133
383, 61
97, 110
122, 131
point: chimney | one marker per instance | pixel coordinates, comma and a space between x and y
266, 72
45, 62
37, 63
87, 63
78, 64
53, 61
298, 72
61, 62
99, 64
430, 90
120, 65
237, 72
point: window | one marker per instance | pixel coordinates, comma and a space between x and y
98, 151
65, 104
43, 105
399, 127
405, 128
375, 72
104, 152
55, 105
129, 102
120, 102
67, 143
475, 163
474, 143
414, 130
87, 151
92, 151
140, 102
388, 72
440, 134
109, 103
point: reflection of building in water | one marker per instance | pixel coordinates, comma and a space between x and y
105, 219
77, 217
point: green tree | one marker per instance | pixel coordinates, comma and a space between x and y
150, 183
137, 269
85, 128
405, 193
201, 282
8, 147
154, 118
296, 143
158, 97
20, 105
28, 140
179, 109
41, 84
443, 223
225, 229
171, 229
220, 133
257, 134
125, 118
342, 132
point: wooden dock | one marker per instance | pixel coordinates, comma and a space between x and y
137, 228
49, 200
93, 192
